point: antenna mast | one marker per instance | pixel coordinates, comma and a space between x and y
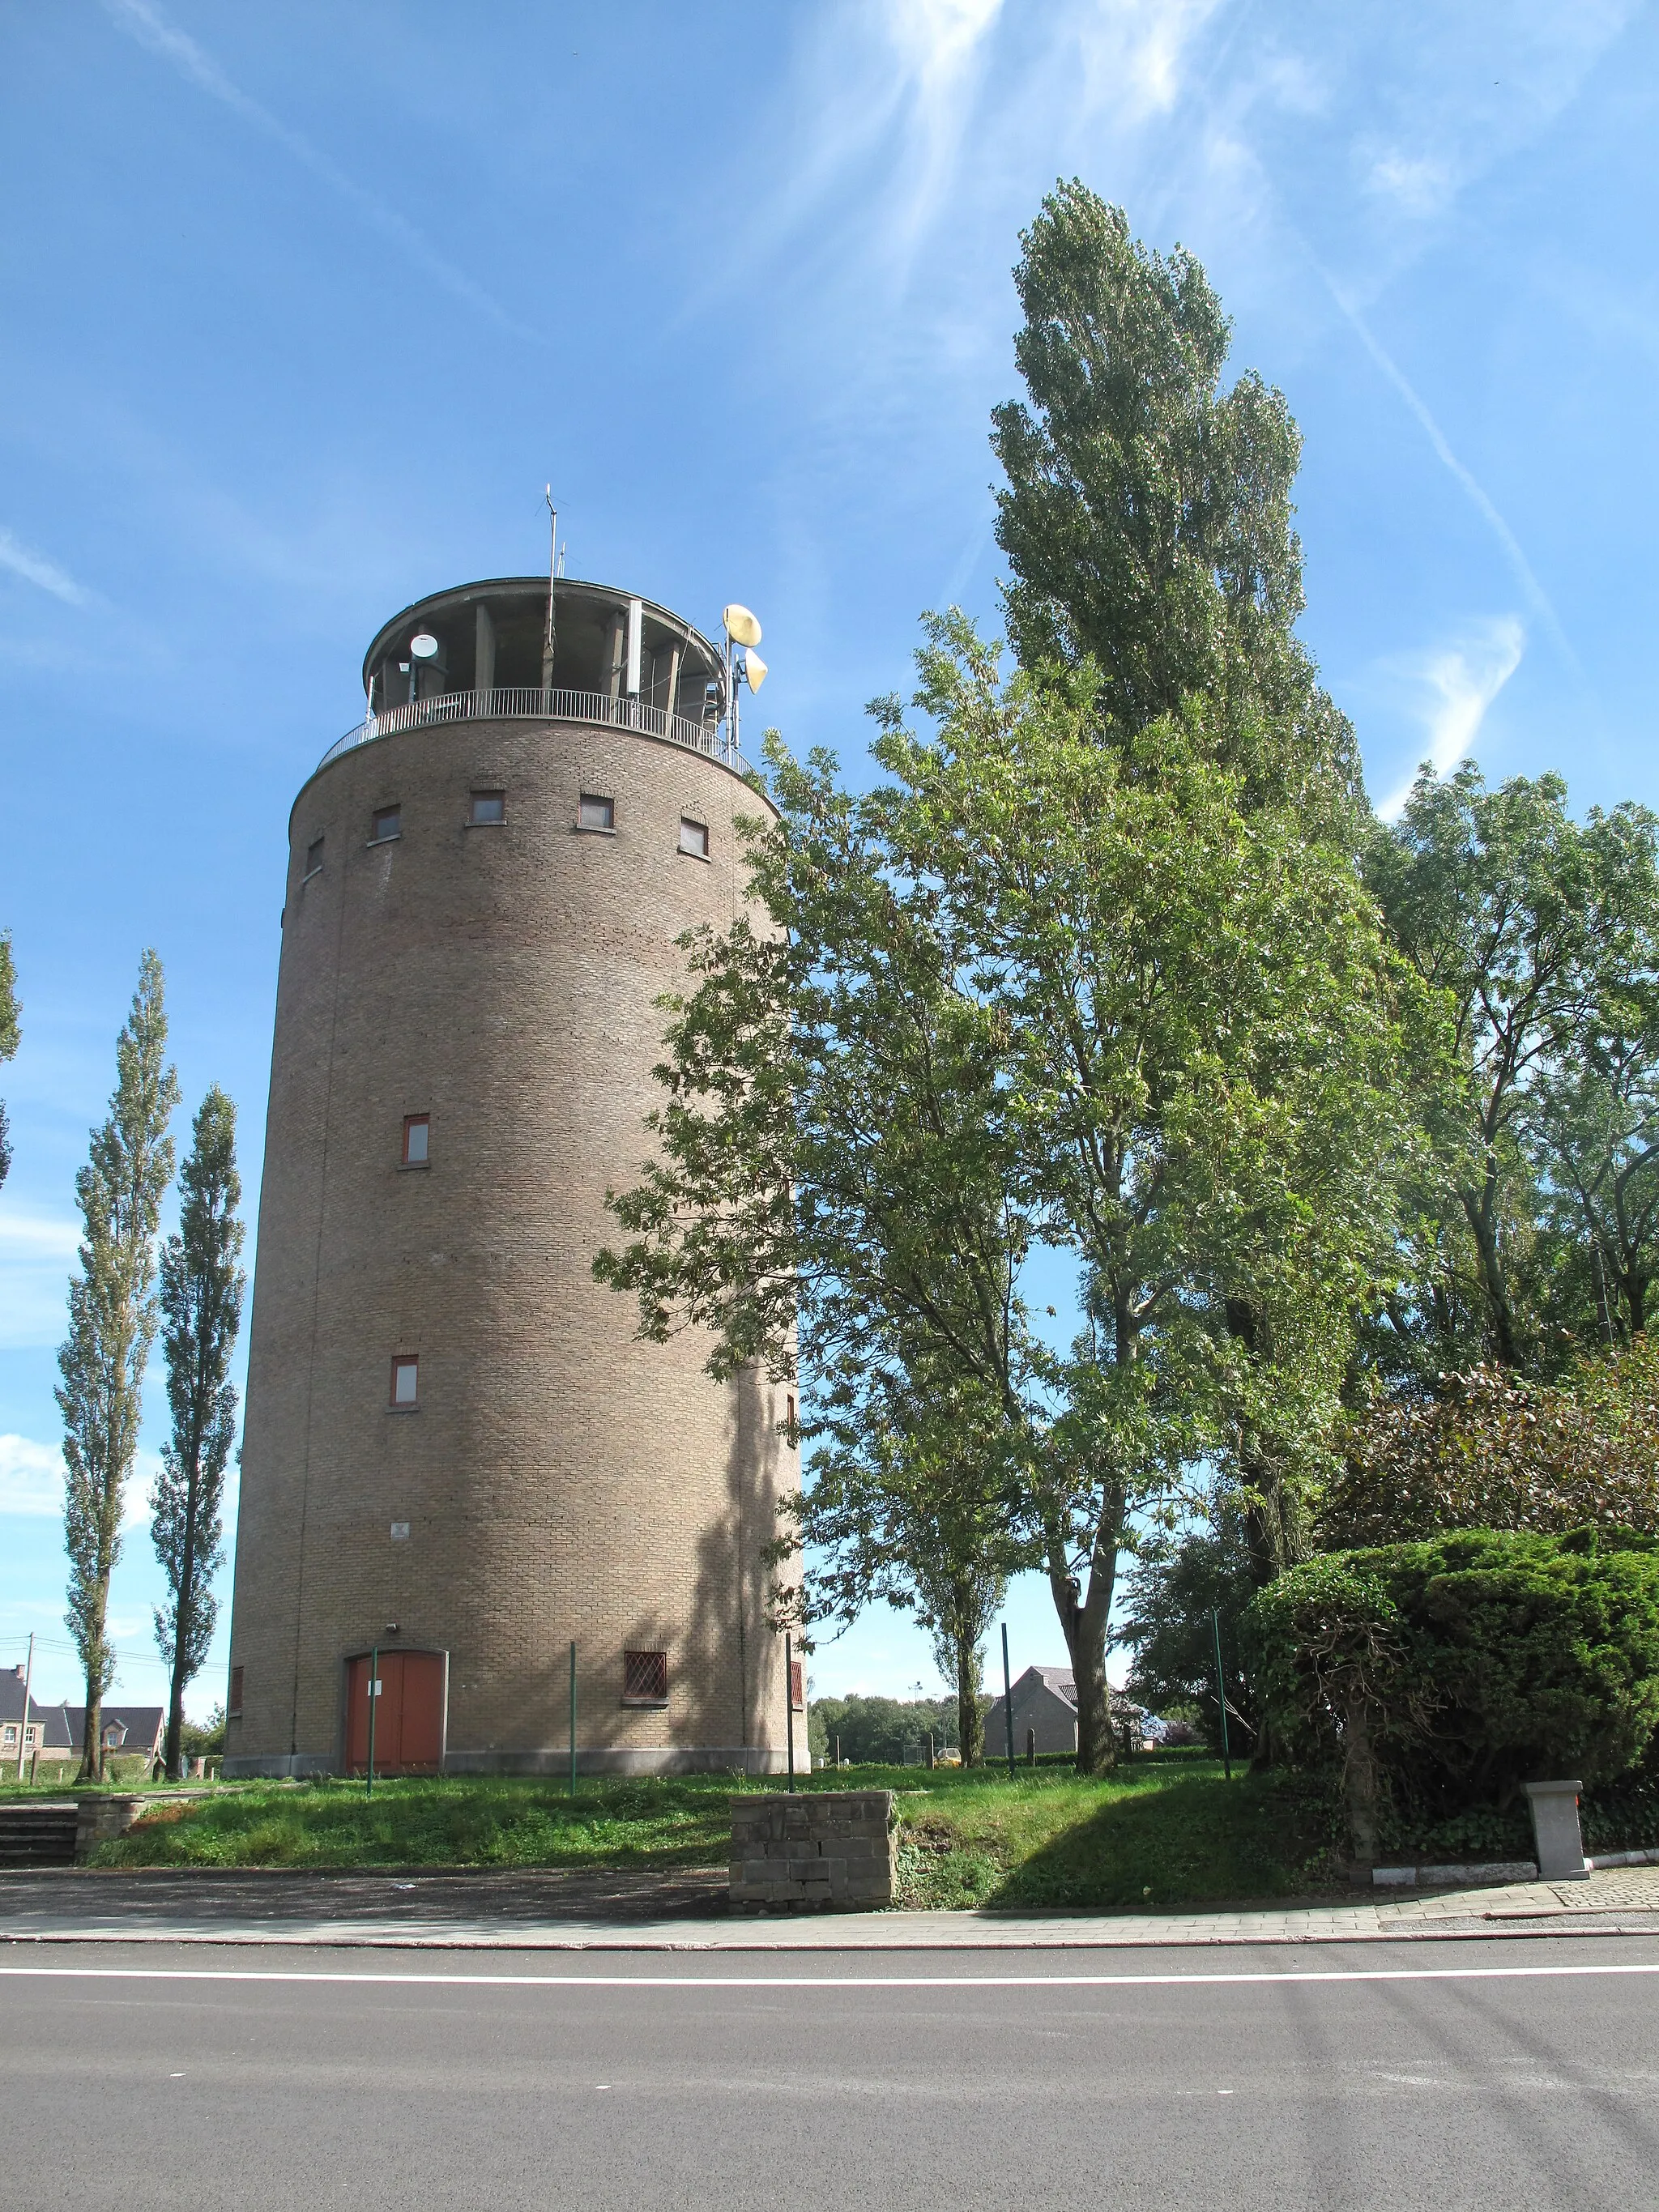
552, 572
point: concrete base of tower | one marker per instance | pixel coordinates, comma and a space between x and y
282, 1767
691, 1758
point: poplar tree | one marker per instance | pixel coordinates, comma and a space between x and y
201, 1299
10, 1037
1146, 513
112, 1322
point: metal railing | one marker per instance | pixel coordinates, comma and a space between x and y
525, 700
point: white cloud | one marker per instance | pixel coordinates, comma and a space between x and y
36, 1254
35, 568
31, 1477
1420, 185
1451, 687
44, 1235
146, 24
31, 1482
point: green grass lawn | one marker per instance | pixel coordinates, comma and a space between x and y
1160, 1833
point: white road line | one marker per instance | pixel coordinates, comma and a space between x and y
820, 1981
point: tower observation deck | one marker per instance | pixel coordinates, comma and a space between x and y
458, 1460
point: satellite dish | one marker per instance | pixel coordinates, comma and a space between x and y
741, 626
425, 646
754, 669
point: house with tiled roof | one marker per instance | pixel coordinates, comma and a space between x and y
13, 1698
1045, 1708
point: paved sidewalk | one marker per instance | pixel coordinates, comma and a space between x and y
584, 1911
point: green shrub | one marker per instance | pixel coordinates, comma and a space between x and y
1439, 1676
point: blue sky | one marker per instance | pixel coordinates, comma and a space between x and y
306, 303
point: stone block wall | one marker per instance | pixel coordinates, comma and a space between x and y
833, 1850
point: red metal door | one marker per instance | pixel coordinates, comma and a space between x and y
408, 1718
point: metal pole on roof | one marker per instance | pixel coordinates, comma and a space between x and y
23, 1725
1007, 1702
1221, 1693
552, 572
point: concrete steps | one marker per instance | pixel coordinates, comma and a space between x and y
39, 1835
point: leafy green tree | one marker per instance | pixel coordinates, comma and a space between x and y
112, 1321
879, 1731
1146, 514
10, 1037
201, 1301
1198, 1045
1147, 520
1032, 986
1532, 928
1589, 1128
1492, 1449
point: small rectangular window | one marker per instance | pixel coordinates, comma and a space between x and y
487, 806
313, 859
417, 1129
400, 1532
645, 1678
384, 824
405, 1382
593, 812
233, 1709
789, 1402
694, 837
797, 1684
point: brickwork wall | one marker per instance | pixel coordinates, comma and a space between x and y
559, 1478
820, 1851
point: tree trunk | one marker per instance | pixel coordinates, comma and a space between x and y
182, 1625
970, 1721
1085, 1621
1359, 1784
1500, 1314
91, 1749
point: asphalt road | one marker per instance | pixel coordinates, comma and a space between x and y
1446, 2075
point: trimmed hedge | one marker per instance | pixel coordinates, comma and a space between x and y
1443, 1675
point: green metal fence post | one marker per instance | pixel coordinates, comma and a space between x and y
1221, 1693
1007, 1702
374, 1706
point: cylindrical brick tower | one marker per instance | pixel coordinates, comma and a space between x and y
457, 1455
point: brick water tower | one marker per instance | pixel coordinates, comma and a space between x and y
456, 1452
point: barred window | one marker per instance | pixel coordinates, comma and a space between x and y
233, 1707
645, 1678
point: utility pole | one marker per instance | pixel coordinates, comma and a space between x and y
23, 1725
